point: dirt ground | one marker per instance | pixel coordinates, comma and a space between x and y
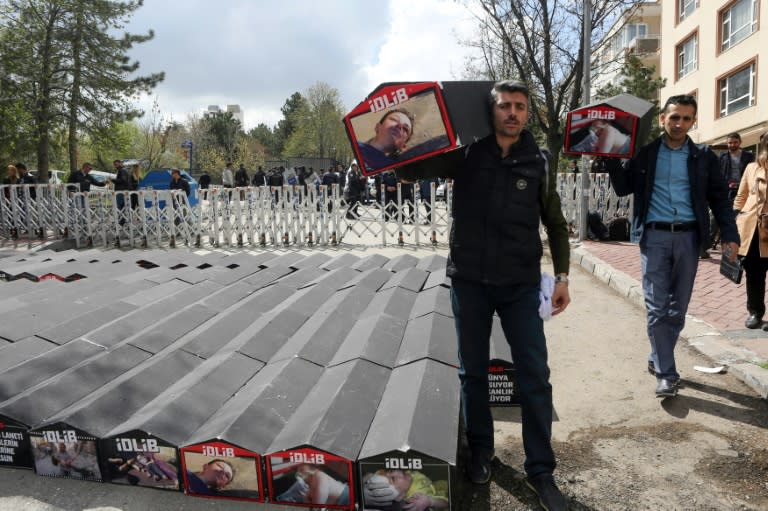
618, 446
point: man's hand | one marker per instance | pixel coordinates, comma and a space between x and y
560, 298
730, 250
378, 492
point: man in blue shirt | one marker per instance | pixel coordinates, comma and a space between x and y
674, 181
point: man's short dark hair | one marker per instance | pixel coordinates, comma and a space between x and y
733, 135
20, 166
117, 161
681, 99
509, 86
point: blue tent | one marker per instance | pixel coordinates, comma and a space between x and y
160, 179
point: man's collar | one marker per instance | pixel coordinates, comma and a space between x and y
664, 141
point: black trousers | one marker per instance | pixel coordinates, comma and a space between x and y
755, 268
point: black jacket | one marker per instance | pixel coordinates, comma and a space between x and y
181, 184
497, 205
745, 159
708, 190
122, 180
84, 180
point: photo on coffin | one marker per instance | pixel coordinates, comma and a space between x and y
315, 479
64, 455
234, 476
601, 132
141, 462
400, 483
396, 131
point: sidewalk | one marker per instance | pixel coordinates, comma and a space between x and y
716, 313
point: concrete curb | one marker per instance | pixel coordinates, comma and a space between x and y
700, 335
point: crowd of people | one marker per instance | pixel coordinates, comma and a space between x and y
353, 185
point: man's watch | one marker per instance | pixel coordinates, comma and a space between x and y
561, 278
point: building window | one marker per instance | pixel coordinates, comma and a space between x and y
737, 90
737, 22
686, 56
685, 8
624, 37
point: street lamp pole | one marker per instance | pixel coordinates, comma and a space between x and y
187, 144
585, 87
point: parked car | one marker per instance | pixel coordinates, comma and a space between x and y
101, 177
440, 192
55, 176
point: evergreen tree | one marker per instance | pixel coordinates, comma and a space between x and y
68, 69
638, 80
102, 80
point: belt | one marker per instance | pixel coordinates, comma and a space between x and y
664, 226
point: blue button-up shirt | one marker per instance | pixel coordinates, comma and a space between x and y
671, 197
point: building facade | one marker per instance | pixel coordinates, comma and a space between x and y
636, 32
235, 110
711, 49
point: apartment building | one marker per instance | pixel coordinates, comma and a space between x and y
637, 31
711, 49
235, 110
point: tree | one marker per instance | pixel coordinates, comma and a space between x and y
320, 132
291, 121
67, 68
267, 138
102, 76
540, 43
638, 80
224, 131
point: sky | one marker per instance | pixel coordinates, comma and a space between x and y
256, 53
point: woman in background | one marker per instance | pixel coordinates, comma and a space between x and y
752, 221
135, 179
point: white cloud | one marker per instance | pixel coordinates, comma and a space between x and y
257, 53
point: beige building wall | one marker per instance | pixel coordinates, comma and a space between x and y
712, 65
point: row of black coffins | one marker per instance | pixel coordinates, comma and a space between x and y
305, 380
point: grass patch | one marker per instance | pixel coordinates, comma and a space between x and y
764, 365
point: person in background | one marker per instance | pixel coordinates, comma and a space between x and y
733, 162
259, 177
425, 192
26, 178
751, 205
228, 179
122, 182
354, 191
205, 180
732, 165
135, 180
178, 182
242, 180
84, 178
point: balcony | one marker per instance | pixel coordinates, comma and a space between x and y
644, 45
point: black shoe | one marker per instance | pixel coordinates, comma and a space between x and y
550, 497
704, 255
666, 388
651, 368
479, 470
753, 321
